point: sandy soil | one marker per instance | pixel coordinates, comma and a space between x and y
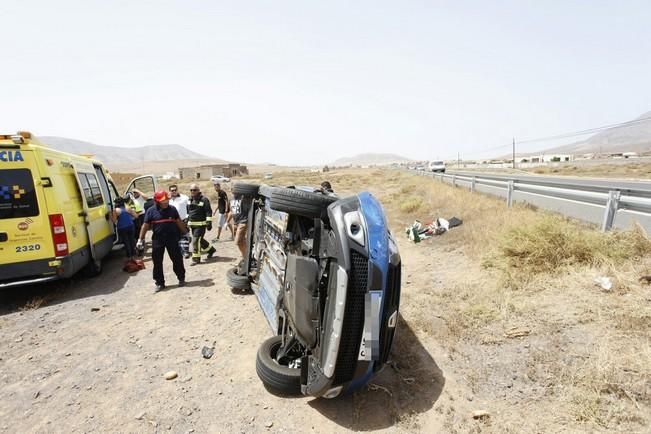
90, 355
93, 358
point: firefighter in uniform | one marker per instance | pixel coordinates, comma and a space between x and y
199, 220
167, 227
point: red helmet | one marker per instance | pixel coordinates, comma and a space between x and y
160, 196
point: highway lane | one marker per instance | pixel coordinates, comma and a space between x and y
639, 188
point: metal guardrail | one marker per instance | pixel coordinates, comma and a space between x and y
610, 206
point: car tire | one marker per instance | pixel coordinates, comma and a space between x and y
275, 376
245, 189
92, 269
299, 202
236, 281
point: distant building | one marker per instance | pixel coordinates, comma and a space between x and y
206, 171
550, 158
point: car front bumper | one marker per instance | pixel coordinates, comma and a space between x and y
361, 314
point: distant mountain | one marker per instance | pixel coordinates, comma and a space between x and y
370, 159
118, 158
631, 138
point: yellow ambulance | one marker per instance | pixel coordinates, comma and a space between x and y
55, 212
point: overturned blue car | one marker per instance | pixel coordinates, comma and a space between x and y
326, 273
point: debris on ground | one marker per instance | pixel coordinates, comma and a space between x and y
417, 231
604, 282
480, 414
170, 375
645, 279
94, 309
207, 352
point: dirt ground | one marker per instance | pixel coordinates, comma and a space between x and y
90, 355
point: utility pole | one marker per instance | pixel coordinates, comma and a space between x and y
514, 152
458, 160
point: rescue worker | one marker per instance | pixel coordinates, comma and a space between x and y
137, 202
180, 202
167, 228
199, 220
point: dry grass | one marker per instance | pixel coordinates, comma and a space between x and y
411, 204
552, 244
35, 303
591, 354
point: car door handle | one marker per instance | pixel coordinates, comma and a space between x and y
83, 214
107, 216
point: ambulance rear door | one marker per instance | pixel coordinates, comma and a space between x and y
24, 222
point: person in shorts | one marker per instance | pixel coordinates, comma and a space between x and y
222, 211
240, 206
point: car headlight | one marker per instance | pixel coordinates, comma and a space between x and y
355, 227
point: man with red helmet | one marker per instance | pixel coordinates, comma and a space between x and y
167, 228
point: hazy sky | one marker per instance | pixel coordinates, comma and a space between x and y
296, 82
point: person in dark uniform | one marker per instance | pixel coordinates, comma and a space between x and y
199, 220
167, 228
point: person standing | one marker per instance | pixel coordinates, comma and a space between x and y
167, 228
180, 202
123, 217
223, 208
137, 201
240, 206
199, 220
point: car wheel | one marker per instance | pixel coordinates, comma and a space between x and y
245, 189
299, 202
93, 268
236, 281
275, 376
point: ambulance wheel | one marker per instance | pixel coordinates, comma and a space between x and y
236, 281
245, 189
93, 268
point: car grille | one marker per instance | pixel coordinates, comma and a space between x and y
353, 319
391, 304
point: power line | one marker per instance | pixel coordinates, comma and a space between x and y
588, 131
569, 134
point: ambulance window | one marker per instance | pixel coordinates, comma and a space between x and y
103, 185
91, 189
113, 190
94, 188
17, 194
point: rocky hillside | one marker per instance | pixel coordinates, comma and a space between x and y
112, 155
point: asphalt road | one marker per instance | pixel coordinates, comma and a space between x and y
592, 184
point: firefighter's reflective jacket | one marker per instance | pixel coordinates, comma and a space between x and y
199, 211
